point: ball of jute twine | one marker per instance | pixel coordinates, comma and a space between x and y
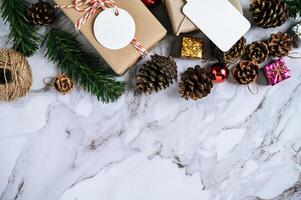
19, 81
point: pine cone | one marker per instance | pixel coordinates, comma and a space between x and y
269, 13
195, 83
157, 74
63, 84
258, 52
41, 13
280, 44
246, 72
233, 54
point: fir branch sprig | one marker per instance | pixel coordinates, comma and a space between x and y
294, 7
84, 68
23, 35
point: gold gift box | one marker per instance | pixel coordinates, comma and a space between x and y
191, 48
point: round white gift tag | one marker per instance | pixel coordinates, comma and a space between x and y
114, 31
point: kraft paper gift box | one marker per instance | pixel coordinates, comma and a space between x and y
180, 23
149, 32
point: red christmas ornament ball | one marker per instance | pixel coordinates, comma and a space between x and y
151, 3
219, 72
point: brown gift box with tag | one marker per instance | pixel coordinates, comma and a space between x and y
180, 23
149, 32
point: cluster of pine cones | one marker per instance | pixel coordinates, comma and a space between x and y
265, 14
161, 72
278, 45
196, 83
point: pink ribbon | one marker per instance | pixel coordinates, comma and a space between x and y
277, 72
90, 7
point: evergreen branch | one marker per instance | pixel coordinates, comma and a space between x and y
294, 7
84, 68
23, 35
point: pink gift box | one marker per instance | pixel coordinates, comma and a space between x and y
276, 72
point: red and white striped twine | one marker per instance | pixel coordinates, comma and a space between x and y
90, 7
143, 52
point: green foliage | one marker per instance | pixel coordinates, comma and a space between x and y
23, 35
84, 68
294, 7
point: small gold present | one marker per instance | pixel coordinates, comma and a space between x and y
191, 48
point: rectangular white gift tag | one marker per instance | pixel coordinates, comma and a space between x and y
219, 20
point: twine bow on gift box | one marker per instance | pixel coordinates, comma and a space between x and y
277, 72
90, 7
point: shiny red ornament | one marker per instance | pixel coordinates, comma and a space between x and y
151, 3
219, 72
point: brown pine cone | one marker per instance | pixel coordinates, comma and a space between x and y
195, 83
157, 74
233, 54
269, 13
41, 13
280, 44
246, 72
257, 51
63, 84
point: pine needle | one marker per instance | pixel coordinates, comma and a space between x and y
23, 35
84, 68
294, 7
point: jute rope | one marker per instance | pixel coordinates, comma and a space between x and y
21, 77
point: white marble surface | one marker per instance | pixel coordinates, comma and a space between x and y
229, 146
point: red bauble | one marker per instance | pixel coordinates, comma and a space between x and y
151, 3
219, 72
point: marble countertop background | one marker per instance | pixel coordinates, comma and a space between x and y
231, 145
